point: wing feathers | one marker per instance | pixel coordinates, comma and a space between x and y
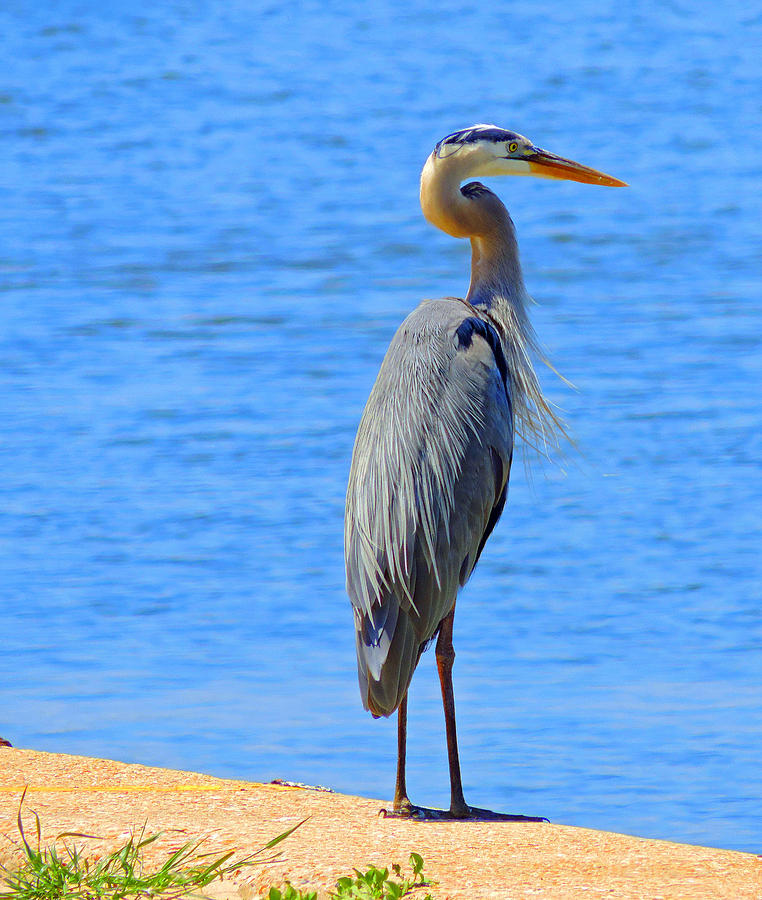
426, 487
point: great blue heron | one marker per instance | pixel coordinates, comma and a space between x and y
433, 451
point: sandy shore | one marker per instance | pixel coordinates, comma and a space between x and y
466, 860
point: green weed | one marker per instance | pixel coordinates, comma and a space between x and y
373, 884
53, 873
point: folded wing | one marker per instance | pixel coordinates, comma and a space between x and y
427, 485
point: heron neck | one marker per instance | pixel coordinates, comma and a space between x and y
497, 285
476, 213
496, 278
441, 200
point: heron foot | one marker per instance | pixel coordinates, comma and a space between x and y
422, 813
470, 813
476, 814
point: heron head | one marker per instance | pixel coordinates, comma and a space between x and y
488, 150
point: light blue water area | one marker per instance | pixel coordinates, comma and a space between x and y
209, 231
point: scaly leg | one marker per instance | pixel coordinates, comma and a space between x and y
459, 809
445, 658
401, 800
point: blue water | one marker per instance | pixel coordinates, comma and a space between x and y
209, 231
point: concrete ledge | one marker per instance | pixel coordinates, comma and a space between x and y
467, 860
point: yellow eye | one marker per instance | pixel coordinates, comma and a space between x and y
513, 147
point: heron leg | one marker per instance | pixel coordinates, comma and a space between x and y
445, 658
401, 800
403, 808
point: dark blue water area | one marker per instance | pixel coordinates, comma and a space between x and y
209, 231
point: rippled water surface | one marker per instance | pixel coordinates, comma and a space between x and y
209, 231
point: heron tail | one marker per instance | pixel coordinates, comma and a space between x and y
385, 668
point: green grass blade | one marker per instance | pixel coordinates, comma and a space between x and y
21, 824
282, 837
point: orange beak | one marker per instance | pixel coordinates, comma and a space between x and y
548, 165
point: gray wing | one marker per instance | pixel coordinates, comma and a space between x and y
427, 484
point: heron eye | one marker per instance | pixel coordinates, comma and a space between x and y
513, 147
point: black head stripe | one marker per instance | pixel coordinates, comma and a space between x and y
454, 141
